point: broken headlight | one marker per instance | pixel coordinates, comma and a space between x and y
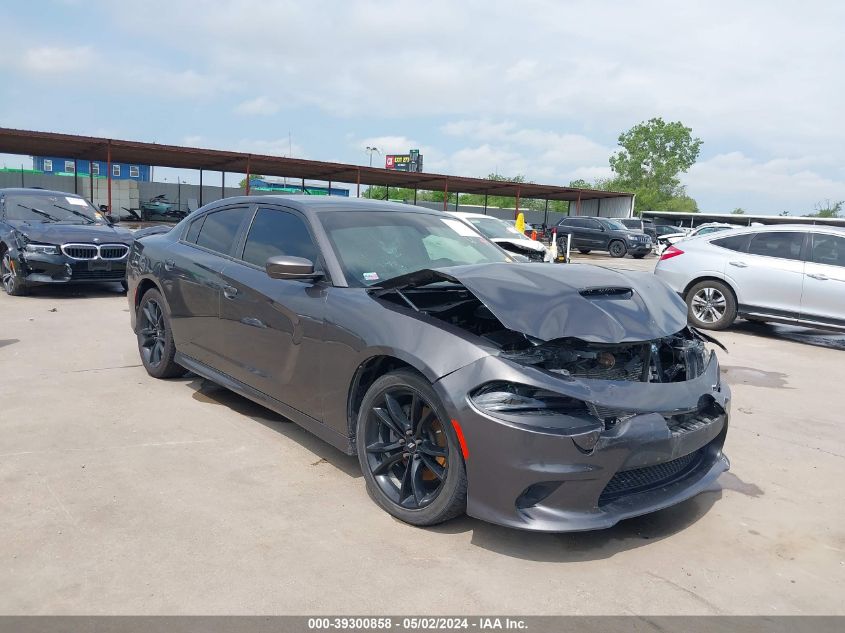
41, 249
515, 399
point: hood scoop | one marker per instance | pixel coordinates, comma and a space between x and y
615, 292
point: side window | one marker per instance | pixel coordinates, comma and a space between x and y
220, 229
275, 232
733, 243
115, 170
48, 164
592, 224
577, 223
194, 230
781, 244
828, 249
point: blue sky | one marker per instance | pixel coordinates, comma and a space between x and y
535, 88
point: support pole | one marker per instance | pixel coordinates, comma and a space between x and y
303, 185
457, 195
247, 172
578, 204
387, 192
485, 203
76, 176
223, 186
91, 179
358, 183
516, 211
546, 214
22, 185
415, 196
445, 193
108, 154
330, 187
200, 187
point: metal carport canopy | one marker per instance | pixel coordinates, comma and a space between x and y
102, 149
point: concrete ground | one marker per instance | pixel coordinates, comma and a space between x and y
120, 494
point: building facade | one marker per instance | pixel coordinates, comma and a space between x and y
59, 166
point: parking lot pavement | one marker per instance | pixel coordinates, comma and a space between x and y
122, 495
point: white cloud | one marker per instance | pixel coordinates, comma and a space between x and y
272, 147
732, 180
259, 106
58, 60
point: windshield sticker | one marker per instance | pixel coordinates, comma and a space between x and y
460, 228
370, 276
79, 202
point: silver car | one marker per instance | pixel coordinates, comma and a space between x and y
788, 273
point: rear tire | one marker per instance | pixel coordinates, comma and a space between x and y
584, 251
409, 452
617, 249
13, 284
711, 305
155, 338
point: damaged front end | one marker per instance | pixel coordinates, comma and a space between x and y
580, 430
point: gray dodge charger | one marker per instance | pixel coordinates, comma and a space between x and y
543, 397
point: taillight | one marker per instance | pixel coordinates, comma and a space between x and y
669, 253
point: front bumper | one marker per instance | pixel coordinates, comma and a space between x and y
40, 268
639, 248
542, 480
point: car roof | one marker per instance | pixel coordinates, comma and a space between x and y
466, 214
815, 228
325, 204
33, 191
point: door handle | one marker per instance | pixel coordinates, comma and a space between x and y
230, 292
818, 276
739, 264
169, 264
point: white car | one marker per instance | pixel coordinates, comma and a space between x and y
668, 239
791, 273
505, 235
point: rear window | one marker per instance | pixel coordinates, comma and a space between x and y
733, 243
220, 229
828, 249
780, 244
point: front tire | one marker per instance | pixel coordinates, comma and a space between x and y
155, 337
13, 283
617, 249
409, 452
711, 305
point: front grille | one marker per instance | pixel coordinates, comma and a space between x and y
80, 251
113, 251
94, 251
627, 482
632, 370
85, 275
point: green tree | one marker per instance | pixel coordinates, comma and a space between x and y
827, 209
652, 156
251, 177
738, 211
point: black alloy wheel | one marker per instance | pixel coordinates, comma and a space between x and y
409, 452
9, 272
155, 341
617, 249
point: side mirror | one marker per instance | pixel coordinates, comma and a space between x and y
285, 267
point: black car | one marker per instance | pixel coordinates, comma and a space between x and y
52, 237
641, 224
603, 234
548, 398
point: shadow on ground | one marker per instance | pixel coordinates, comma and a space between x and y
796, 334
75, 290
571, 547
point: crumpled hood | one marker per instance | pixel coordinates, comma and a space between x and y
547, 302
530, 245
51, 233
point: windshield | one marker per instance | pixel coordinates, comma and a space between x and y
51, 209
615, 225
372, 246
493, 228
